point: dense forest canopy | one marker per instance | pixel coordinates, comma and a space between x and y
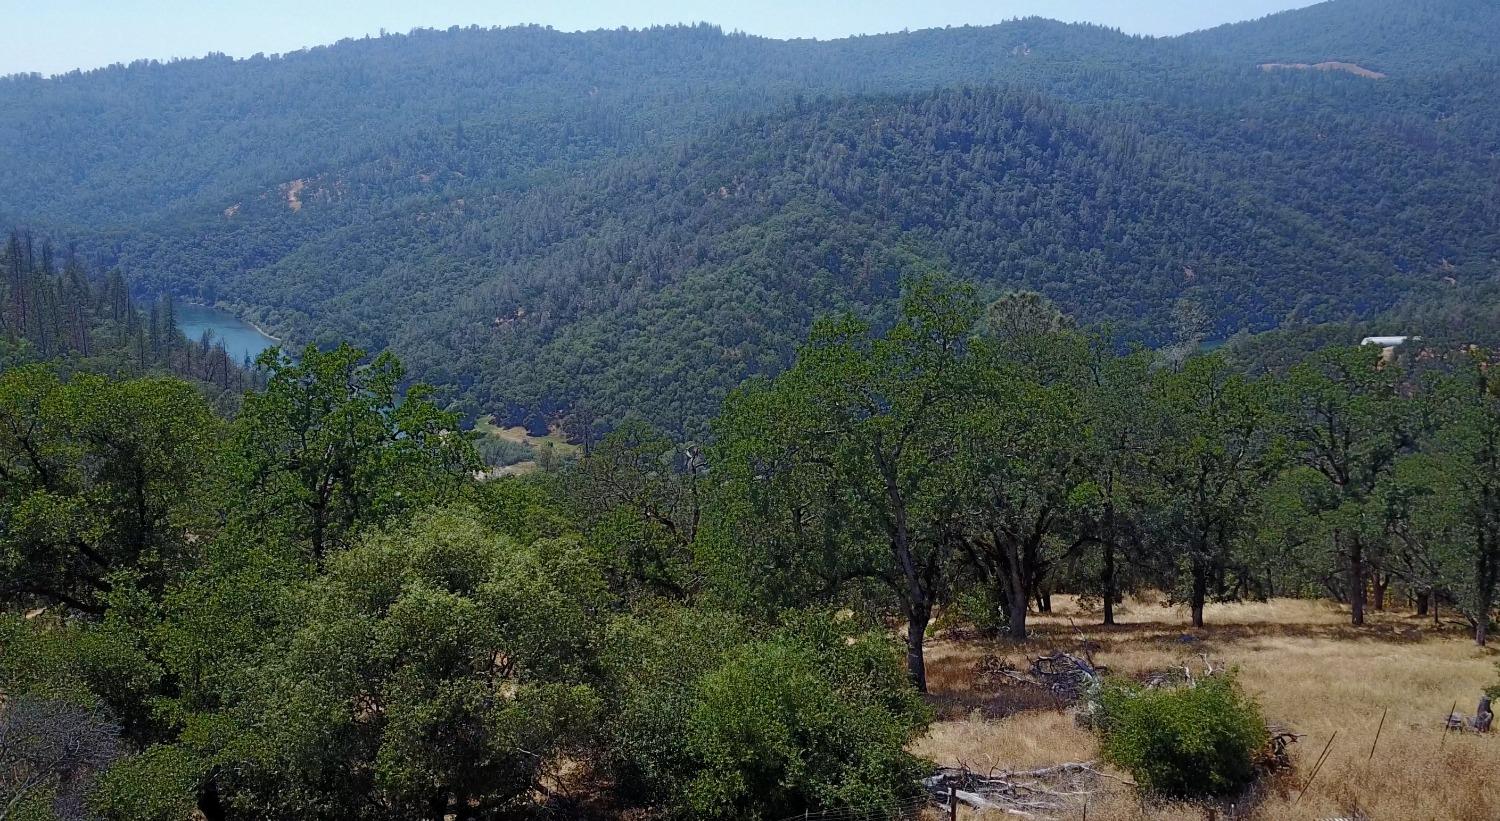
1415, 36
545, 224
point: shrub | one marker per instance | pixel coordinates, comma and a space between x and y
983, 609
1195, 740
814, 716
499, 453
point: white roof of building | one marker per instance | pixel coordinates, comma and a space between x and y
1385, 341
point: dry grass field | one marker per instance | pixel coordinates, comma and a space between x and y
1308, 668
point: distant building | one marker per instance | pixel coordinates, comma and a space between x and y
1386, 341
1388, 345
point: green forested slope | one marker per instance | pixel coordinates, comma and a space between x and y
128, 144
635, 221
1391, 36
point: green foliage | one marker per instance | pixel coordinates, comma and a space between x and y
639, 501
328, 448
315, 612
156, 785
645, 218
771, 735
434, 663
717, 722
849, 448
1443, 501
1021, 314
67, 318
1217, 446
1349, 420
1379, 34
1019, 464
982, 607
653, 659
100, 478
39, 660
498, 453
1192, 741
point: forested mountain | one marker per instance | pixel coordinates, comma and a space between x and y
634, 221
141, 141
1389, 37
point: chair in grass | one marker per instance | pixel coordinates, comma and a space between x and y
1481, 722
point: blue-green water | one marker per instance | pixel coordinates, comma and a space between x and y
240, 338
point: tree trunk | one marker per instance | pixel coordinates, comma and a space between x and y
1200, 592
1109, 581
209, 804
1484, 590
1016, 608
1356, 583
1423, 597
916, 597
1016, 584
1380, 582
916, 640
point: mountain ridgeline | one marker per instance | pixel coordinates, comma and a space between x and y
634, 221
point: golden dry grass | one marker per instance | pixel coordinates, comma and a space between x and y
1308, 668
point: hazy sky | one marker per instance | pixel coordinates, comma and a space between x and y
51, 36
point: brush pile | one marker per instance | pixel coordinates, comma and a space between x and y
1058, 791
1068, 677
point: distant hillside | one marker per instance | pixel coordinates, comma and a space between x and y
1390, 36
121, 145
635, 221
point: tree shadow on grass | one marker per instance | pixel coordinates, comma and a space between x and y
1167, 633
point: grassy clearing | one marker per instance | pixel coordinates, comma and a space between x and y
1308, 668
554, 442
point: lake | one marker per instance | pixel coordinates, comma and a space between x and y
240, 338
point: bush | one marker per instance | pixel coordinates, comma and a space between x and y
983, 609
814, 716
1192, 741
499, 453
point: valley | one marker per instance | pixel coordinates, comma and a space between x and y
712, 212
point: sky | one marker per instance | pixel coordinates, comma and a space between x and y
54, 36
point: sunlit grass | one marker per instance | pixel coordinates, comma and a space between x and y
1309, 669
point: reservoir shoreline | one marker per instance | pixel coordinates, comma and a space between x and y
242, 338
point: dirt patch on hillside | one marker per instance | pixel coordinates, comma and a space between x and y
293, 191
1350, 68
